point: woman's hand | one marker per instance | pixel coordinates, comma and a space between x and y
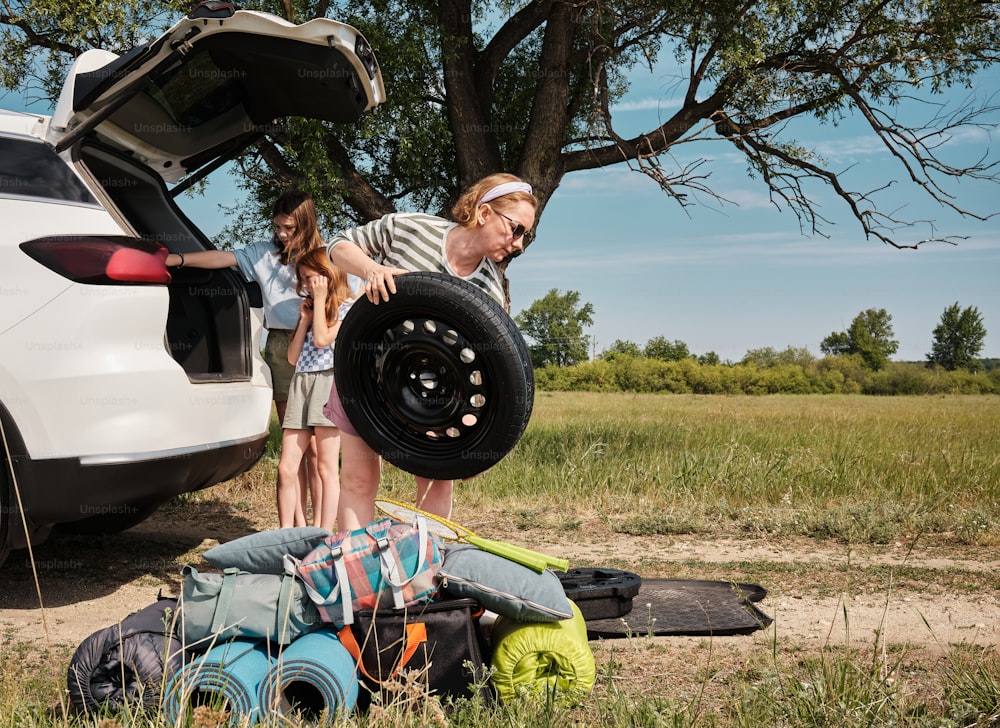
379, 282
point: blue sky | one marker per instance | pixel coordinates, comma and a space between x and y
729, 278
732, 278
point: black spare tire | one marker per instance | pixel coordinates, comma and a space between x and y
438, 379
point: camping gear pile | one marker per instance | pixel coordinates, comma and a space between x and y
300, 620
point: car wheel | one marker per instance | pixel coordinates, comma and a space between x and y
437, 380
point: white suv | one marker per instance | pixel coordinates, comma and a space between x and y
123, 384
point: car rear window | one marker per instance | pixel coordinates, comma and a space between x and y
33, 169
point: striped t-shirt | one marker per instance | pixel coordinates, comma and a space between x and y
415, 241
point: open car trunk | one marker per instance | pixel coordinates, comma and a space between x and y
208, 331
183, 104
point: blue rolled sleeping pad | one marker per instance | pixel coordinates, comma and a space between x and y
313, 675
228, 677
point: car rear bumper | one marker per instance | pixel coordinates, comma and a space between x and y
63, 490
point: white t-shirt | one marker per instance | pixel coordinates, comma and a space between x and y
260, 263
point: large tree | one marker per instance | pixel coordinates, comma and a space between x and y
621, 347
870, 336
554, 324
958, 339
530, 87
659, 348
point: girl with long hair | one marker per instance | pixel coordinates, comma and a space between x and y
271, 265
326, 299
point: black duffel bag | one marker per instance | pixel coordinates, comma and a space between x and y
440, 643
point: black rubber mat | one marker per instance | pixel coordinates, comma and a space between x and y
685, 607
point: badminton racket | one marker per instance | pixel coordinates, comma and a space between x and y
451, 531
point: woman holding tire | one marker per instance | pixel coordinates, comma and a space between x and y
490, 222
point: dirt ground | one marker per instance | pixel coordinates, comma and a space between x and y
818, 593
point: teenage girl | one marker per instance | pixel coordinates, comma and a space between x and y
327, 298
271, 264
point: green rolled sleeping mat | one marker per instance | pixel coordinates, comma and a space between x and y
548, 658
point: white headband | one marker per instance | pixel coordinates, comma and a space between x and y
505, 189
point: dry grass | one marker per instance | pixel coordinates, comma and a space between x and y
851, 488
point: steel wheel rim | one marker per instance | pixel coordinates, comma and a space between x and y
433, 379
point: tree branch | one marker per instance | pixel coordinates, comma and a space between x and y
518, 27
362, 197
818, 80
539, 160
477, 151
36, 38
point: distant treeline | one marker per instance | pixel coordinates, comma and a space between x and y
841, 374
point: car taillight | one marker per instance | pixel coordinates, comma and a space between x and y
102, 260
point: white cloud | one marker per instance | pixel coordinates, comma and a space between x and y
646, 104
616, 180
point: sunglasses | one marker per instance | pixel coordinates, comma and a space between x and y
516, 229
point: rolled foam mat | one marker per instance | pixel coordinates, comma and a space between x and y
228, 676
547, 658
312, 675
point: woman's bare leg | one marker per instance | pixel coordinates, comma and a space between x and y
360, 473
435, 496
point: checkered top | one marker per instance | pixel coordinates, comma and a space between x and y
314, 359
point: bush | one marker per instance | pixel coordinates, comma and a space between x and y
907, 378
898, 379
846, 370
841, 374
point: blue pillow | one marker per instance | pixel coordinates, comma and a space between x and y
263, 552
504, 586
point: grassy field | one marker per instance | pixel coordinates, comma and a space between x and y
830, 471
855, 468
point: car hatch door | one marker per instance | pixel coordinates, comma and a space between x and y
212, 83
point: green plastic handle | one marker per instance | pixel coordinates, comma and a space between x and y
526, 557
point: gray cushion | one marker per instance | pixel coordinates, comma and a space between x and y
504, 586
263, 552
